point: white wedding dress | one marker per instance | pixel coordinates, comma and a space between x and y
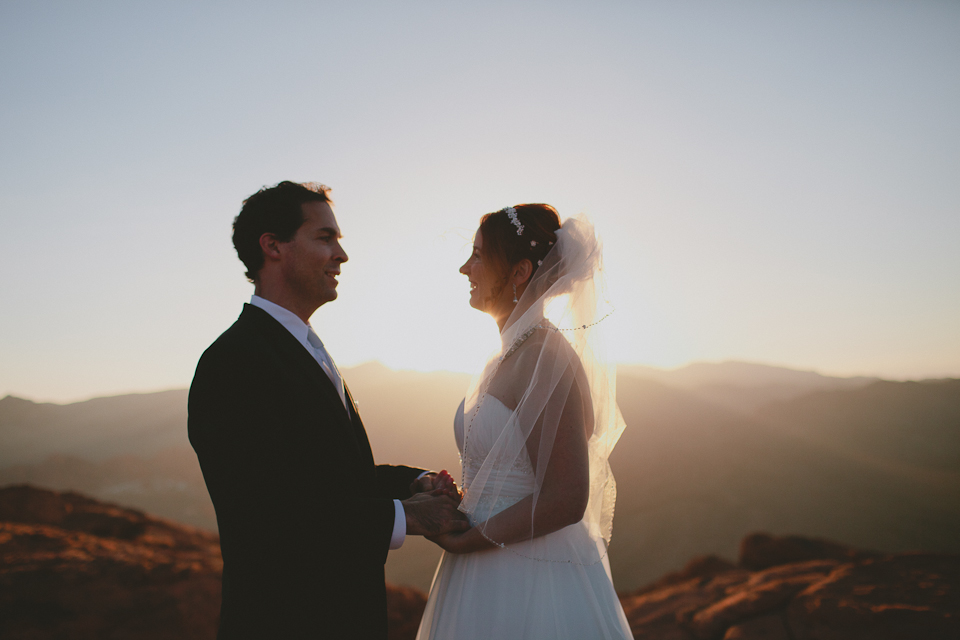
512, 593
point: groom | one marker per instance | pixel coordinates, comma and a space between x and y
305, 516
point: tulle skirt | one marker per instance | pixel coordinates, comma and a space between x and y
506, 594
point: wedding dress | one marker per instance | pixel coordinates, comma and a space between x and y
552, 366
510, 592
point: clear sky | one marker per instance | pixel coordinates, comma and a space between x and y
774, 182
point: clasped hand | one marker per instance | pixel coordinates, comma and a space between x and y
460, 537
437, 480
432, 510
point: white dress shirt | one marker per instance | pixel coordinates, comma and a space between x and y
301, 331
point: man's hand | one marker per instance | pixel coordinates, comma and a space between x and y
437, 480
433, 513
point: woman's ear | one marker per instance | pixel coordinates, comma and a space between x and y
522, 272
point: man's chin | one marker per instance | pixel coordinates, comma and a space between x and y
328, 296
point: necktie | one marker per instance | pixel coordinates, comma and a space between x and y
326, 362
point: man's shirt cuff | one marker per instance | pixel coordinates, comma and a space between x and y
400, 521
399, 526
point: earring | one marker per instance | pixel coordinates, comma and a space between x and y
515, 301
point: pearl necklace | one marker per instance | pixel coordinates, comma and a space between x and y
519, 341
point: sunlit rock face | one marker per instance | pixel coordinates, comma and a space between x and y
73, 567
794, 588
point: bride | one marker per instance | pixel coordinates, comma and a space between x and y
534, 432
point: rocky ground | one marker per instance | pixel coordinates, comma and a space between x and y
73, 567
794, 588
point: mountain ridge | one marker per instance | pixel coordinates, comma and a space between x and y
697, 468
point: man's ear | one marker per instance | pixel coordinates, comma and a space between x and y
270, 246
522, 272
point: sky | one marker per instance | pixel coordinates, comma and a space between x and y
773, 182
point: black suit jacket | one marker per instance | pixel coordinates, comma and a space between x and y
305, 516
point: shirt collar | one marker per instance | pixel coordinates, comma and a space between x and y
290, 321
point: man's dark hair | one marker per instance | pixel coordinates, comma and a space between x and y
275, 210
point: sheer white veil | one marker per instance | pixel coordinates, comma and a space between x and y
557, 328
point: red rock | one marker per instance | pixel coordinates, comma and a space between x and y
67, 584
663, 631
904, 596
23, 503
770, 627
700, 567
74, 512
763, 592
842, 593
405, 607
668, 610
760, 551
72, 567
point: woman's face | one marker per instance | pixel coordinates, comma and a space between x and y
483, 281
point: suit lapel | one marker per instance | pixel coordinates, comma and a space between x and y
317, 385
359, 433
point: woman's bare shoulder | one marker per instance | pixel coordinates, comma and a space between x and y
546, 346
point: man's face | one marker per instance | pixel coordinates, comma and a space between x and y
311, 259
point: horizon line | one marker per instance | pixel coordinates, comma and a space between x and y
117, 393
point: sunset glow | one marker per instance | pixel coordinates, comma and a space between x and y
773, 183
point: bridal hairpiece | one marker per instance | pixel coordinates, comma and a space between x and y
512, 214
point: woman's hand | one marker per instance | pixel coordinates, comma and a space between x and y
437, 480
449, 542
462, 541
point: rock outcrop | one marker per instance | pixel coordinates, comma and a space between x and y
73, 567
794, 588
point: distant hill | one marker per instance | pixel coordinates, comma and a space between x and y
910, 424
130, 449
140, 423
692, 475
168, 483
711, 453
743, 386
741, 374
409, 414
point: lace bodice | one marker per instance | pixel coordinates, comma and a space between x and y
492, 423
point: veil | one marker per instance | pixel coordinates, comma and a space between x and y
551, 371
